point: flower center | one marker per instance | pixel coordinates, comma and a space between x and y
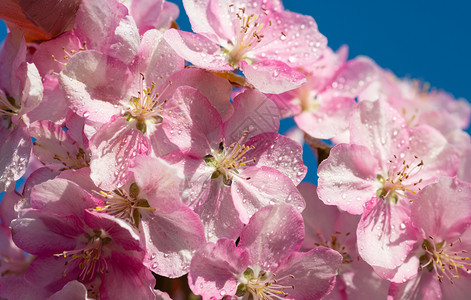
227, 160
336, 244
250, 34
8, 108
262, 285
81, 159
146, 109
446, 259
90, 258
123, 205
396, 183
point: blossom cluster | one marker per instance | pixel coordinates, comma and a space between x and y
149, 152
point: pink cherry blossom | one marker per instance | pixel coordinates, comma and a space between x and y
322, 106
442, 212
71, 242
151, 204
378, 173
260, 38
242, 160
265, 264
126, 119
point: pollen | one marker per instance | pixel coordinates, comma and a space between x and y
337, 243
145, 108
250, 34
444, 258
90, 258
227, 160
125, 205
400, 179
263, 285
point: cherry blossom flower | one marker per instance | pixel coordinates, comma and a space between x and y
323, 105
126, 119
236, 167
258, 37
442, 212
378, 174
71, 242
266, 263
151, 204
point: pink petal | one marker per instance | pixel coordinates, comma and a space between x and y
211, 18
125, 42
15, 148
161, 189
258, 187
254, 113
329, 120
214, 268
217, 93
96, 22
32, 88
53, 146
127, 279
113, 149
278, 152
171, 239
464, 172
380, 128
271, 76
158, 61
424, 286
318, 217
61, 197
385, 234
7, 206
448, 206
403, 272
299, 45
219, 216
439, 157
272, 234
16, 287
347, 178
40, 13
53, 106
73, 290
47, 272
57, 48
197, 49
314, 273
41, 234
191, 122
352, 79
363, 283
93, 83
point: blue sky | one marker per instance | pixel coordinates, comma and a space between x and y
429, 40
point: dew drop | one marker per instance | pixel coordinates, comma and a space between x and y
154, 265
